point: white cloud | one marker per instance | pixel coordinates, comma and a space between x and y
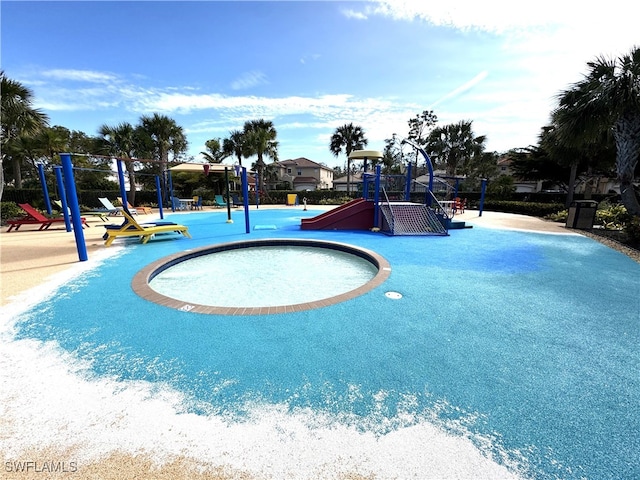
249, 80
79, 75
357, 15
462, 88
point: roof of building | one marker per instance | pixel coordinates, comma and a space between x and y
305, 180
355, 177
301, 162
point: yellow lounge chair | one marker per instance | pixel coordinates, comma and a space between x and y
131, 228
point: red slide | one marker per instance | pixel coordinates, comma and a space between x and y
354, 215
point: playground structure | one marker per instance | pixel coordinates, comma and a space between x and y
380, 210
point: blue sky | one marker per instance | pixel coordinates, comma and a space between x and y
309, 66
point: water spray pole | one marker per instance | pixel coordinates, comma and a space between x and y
245, 199
482, 192
226, 181
123, 188
159, 192
376, 198
45, 190
63, 198
72, 196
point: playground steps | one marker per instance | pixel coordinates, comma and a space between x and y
406, 218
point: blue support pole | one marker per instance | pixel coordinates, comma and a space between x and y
376, 198
245, 199
407, 187
63, 197
170, 182
226, 181
159, 192
45, 190
123, 188
72, 196
482, 192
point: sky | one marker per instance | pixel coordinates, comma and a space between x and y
309, 66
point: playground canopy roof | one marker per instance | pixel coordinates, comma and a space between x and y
362, 154
199, 168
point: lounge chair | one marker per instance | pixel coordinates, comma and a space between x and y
34, 217
220, 202
113, 210
235, 200
94, 213
145, 210
131, 228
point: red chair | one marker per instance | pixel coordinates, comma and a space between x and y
34, 217
459, 204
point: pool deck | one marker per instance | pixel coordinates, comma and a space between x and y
28, 257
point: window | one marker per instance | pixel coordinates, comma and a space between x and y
299, 172
288, 170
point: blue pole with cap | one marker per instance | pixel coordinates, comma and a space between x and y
72, 196
63, 197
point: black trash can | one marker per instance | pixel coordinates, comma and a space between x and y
582, 214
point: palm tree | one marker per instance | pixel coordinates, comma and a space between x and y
234, 145
349, 137
607, 98
454, 145
121, 141
260, 139
215, 151
17, 117
166, 136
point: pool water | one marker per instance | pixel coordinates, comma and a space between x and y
264, 276
508, 355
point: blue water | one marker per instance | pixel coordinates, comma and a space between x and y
528, 339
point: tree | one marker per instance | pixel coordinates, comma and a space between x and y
391, 157
18, 118
260, 139
607, 98
418, 128
349, 137
165, 137
455, 145
235, 145
122, 140
560, 163
215, 152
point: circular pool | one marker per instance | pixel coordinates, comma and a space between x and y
259, 277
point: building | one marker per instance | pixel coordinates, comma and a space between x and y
504, 168
303, 174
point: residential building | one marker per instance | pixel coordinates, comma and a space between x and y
303, 174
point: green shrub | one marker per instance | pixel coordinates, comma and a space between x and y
10, 210
612, 217
534, 209
632, 229
560, 216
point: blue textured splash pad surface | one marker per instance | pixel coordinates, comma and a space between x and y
528, 343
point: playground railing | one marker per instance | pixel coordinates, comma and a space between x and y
438, 207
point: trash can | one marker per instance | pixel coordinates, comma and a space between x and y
582, 214
292, 199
